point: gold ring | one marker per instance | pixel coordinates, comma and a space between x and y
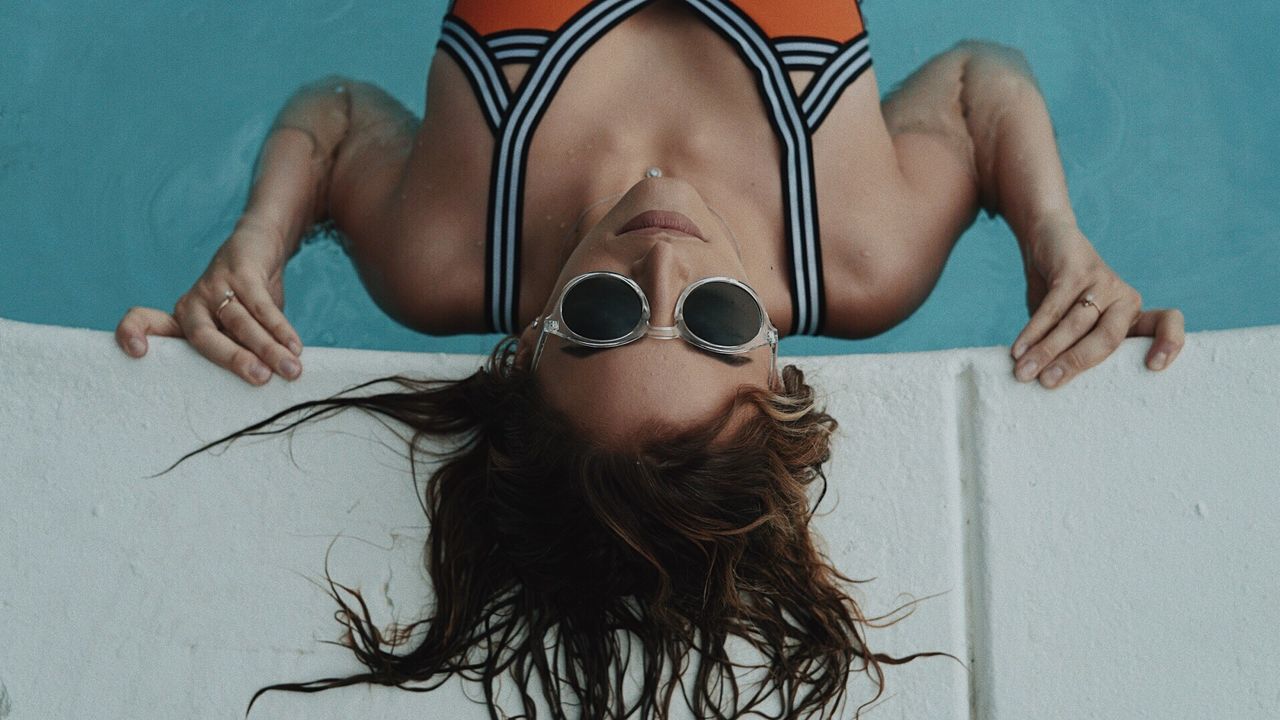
1087, 301
227, 297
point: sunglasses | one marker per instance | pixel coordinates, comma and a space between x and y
604, 310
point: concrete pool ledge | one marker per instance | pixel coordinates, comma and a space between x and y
1103, 550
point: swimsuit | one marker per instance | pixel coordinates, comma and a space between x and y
772, 36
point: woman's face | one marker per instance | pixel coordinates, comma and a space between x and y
616, 393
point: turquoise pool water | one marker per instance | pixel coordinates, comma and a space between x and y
128, 131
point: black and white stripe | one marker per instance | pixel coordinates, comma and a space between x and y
842, 69
799, 202
805, 53
469, 50
511, 150
518, 46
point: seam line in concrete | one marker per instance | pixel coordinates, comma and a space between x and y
973, 530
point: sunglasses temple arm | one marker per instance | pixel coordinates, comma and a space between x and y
537, 350
773, 361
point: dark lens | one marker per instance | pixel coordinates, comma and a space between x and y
722, 314
602, 308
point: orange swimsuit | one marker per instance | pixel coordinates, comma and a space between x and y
772, 36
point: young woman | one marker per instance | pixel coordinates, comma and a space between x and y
645, 195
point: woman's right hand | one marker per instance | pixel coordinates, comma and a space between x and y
250, 335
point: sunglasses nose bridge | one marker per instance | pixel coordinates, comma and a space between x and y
669, 332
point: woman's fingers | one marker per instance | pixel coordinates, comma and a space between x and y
138, 323
1034, 363
219, 325
264, 309
197, 319
1088, 313
1083, 338
1168, 327
1056, 304
1093, 348
244, 328
209, 341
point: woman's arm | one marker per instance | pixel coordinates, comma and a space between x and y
316, 159
978, 107
338, 150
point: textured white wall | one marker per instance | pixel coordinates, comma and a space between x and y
1105, 550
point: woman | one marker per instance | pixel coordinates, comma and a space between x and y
581, 169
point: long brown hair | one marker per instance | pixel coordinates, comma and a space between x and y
540, 537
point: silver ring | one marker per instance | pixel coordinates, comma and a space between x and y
227, 297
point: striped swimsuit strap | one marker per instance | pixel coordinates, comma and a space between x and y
827, 37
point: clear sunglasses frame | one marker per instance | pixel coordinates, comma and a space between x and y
554, 323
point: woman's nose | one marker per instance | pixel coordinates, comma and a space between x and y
662, 273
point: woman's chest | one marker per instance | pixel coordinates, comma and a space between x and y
662, 89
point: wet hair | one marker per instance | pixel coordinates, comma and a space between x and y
554, 557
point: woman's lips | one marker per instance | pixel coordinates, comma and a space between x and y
662, 220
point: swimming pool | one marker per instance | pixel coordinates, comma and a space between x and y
128, 133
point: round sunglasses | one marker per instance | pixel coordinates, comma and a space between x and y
605, 309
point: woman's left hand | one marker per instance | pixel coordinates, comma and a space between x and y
1081, 310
